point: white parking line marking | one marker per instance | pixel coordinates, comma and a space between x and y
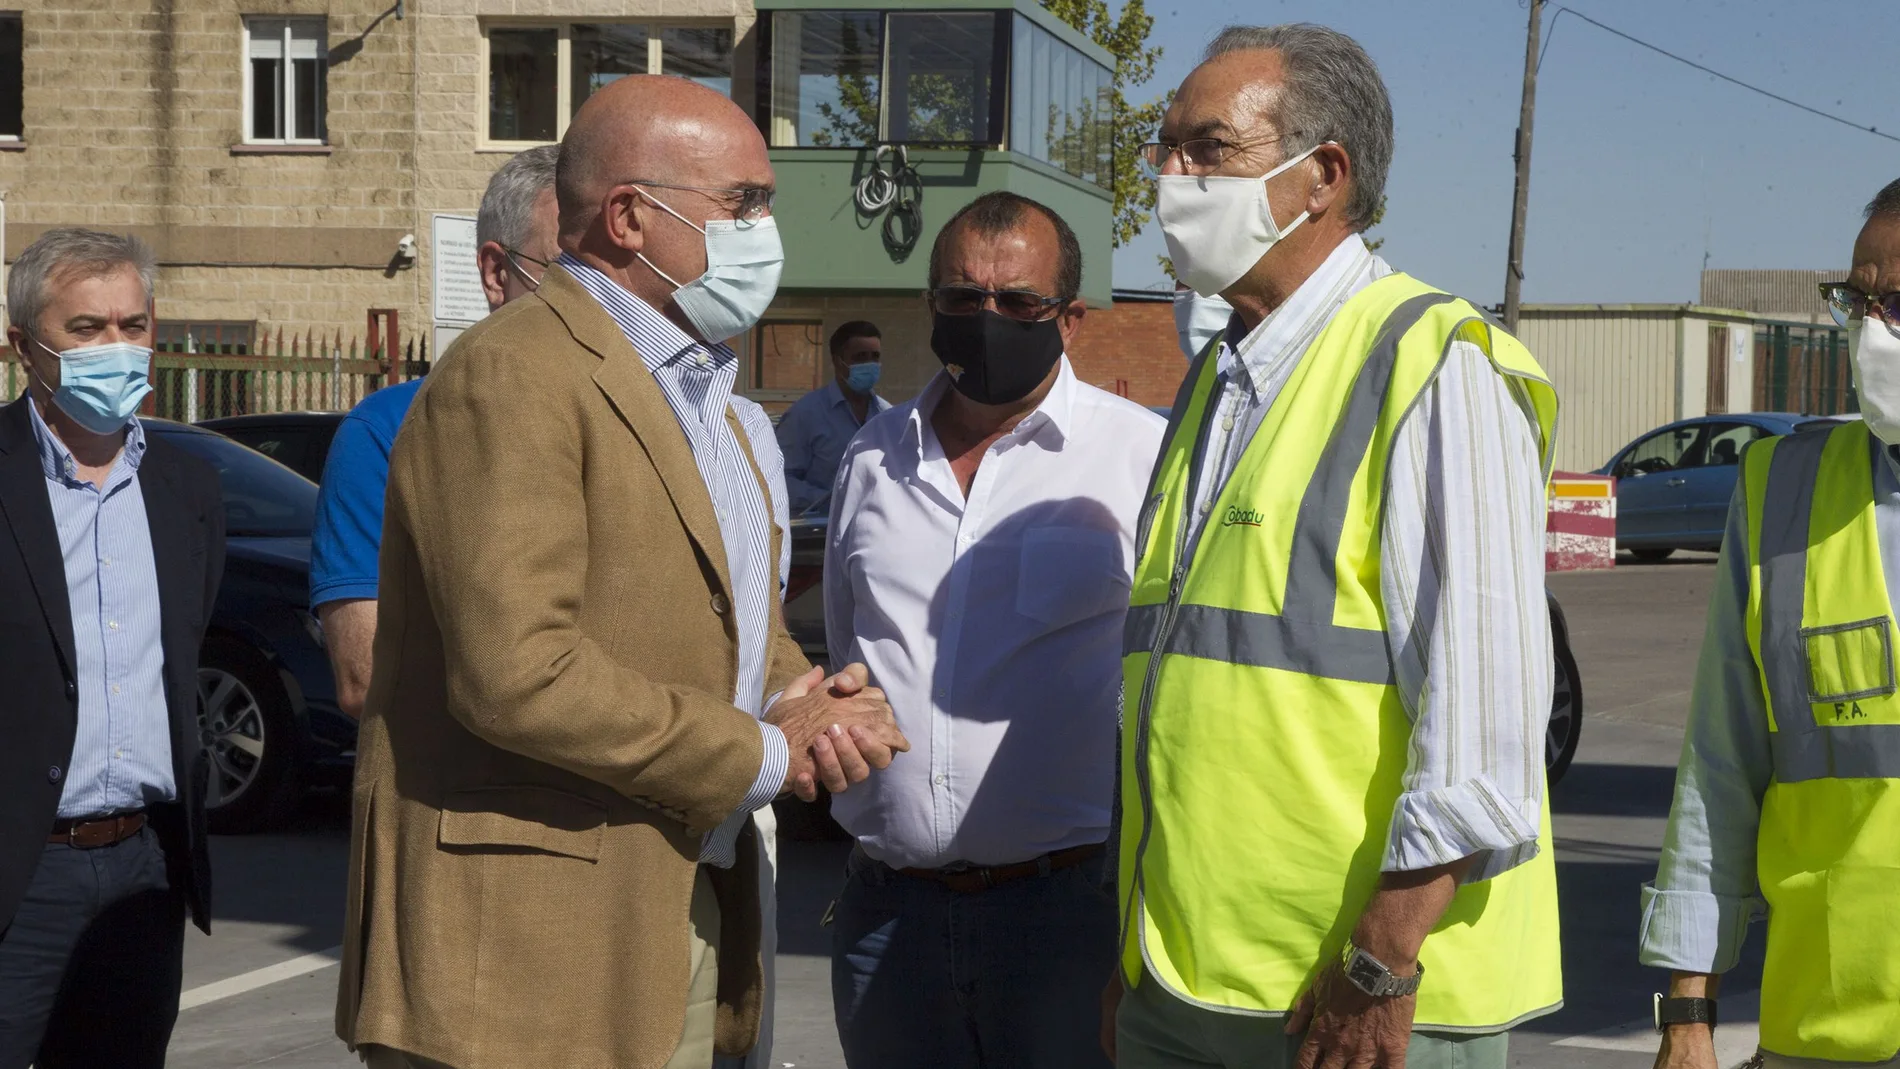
1734, 1043
256, 978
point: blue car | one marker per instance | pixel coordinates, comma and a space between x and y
1673, 484
268, 711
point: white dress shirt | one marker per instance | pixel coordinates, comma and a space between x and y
1462, 577
994, 623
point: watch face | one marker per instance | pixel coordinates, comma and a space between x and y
1365, 973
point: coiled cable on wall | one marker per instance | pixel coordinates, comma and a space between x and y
878, 189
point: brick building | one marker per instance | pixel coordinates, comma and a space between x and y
1131, 348
277, 153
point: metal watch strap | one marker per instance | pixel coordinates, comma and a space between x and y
1670, 1011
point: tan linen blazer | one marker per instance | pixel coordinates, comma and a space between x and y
549, 730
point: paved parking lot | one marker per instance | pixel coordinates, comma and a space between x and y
261, 992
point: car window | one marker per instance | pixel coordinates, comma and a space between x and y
262, 498
1662, 451
1723, 446
286, 445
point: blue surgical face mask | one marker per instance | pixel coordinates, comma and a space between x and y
863, 377
743, 261
101, 386
1199, 320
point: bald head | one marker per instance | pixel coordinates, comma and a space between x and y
657, 128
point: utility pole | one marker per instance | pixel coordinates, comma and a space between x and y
1514, 266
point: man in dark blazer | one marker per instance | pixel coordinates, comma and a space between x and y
111, 549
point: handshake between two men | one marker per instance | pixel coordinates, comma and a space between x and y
837, 730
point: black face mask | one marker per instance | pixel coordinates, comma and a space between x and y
993, 359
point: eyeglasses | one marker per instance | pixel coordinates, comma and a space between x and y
515, 256
754, 202
1199, 155
1028, 306
1847, 304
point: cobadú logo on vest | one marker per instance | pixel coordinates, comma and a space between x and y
1240, 517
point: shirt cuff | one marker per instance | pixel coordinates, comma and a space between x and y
1469, 819
777, 761
341, 590
1695, 931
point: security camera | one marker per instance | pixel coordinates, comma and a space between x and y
406, 248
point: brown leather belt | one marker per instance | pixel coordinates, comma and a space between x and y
966, 881
90, 833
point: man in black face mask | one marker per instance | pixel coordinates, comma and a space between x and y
979, 565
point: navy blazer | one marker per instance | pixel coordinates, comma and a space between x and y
38, 694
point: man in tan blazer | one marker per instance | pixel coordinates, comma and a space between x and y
552, 859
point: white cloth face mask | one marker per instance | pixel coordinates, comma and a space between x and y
1218, 227
1876, 353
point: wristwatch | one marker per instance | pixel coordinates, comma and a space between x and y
1684, 1011
1370, 975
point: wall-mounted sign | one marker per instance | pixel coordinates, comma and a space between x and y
459, 300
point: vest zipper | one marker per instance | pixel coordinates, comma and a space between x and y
1169, 609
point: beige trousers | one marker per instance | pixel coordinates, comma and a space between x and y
702, 995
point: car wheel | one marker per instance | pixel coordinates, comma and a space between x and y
1652, 554
1566, 706
250, 738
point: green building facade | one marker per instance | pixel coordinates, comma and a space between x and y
883, 120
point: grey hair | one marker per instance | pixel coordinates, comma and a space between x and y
1332, 92
69, 250
1885, 202
507, 212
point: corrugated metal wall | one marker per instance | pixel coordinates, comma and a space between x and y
1616, 374
1791, 294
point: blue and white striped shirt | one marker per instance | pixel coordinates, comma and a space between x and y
122, 752
697, 381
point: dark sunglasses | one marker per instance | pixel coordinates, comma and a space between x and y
1025, 305
1847, 304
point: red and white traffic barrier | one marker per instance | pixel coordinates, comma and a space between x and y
1581, 531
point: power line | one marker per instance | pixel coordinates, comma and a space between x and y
1562, 11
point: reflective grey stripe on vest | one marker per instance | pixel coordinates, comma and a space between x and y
1804, 750
1304, 640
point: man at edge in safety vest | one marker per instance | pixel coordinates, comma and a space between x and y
1335, 847
1789, 785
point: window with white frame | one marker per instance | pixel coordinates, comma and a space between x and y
284, 80
540, 75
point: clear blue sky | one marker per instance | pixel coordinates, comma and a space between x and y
1640, 165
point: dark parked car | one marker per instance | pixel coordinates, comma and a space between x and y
1674, 483
269, 714
299, 441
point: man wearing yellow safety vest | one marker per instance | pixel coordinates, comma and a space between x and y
1334, 849
1789, 785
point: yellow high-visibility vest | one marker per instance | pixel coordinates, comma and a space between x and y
1828, 847
1265, 741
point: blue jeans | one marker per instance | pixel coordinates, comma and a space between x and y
923, 977
92, 961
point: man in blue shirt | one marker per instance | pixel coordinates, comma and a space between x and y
815, 430
515, 234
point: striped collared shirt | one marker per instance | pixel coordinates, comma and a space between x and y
122, 751
1462, 572
697, 381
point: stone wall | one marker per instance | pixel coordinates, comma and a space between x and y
134, 121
